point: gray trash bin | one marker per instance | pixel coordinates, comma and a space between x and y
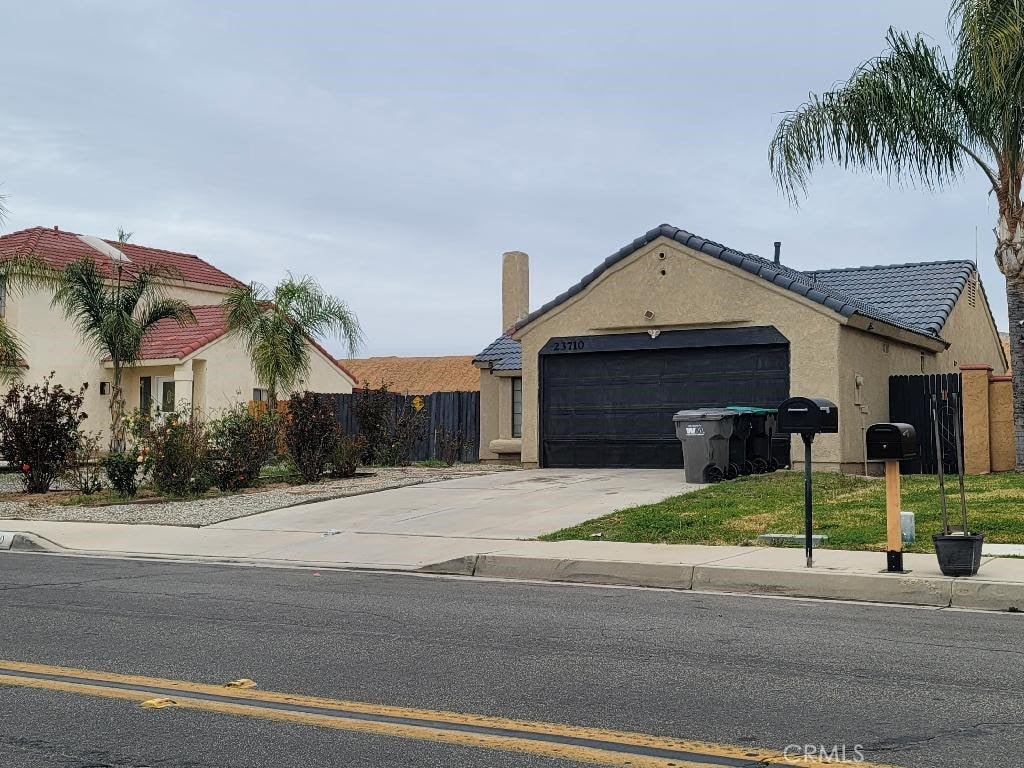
705, 433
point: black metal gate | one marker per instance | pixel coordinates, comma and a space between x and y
910, 401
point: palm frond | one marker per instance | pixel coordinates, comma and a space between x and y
898, 115
12, 354
277, 327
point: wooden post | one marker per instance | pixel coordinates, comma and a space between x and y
894, 525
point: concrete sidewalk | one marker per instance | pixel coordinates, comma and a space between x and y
837, 574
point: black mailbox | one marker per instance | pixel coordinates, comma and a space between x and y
891, 441
808, 416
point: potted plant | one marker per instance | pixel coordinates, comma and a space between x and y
959, 552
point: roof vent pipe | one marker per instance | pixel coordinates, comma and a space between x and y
778, 251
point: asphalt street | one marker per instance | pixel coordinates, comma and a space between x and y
908, 687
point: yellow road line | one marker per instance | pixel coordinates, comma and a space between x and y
246, 702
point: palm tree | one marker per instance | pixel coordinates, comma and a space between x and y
277, 327
114, 313
916, 117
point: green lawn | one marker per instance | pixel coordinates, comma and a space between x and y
850, 510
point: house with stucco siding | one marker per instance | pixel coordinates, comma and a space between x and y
673, 320
194, 366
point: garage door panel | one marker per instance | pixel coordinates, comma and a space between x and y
614, 408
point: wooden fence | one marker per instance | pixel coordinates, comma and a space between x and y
448, 416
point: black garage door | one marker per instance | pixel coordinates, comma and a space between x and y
608, 401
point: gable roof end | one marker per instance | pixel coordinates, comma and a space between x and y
820, 290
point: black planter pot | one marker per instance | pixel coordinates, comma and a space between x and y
959, 554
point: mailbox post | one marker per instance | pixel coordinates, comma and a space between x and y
807, 417
892, 443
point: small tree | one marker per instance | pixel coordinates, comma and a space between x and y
114, 312
39, 430
277, 327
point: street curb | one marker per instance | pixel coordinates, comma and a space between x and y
618, 573
820, 583
987, 595
30, 542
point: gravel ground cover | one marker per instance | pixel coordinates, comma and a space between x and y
216, 509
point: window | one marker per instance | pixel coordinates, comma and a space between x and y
146, 394
167, 401
517, 407
260, 395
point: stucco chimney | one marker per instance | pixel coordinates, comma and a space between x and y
515, 288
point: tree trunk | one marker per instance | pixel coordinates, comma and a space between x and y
117, 441
1010, 259
1015, 307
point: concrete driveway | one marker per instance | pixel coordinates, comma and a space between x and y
403, 528
502, 505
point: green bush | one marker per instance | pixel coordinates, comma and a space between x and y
123, 472
312, 433
241, 442
39, 430
179, 456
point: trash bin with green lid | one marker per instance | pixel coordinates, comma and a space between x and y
705, 433
759, 438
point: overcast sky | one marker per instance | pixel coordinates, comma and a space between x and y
394, 149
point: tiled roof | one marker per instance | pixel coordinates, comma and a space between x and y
167, 339
59, 249
918, 295
798, 282
417, 375
502, 354
915, 297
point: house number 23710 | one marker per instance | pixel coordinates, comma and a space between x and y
570, 345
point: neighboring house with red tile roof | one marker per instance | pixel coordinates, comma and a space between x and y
417, 375
196, 365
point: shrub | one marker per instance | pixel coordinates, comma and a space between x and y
85, 469
122, 471
410, 428
390, 436
312, 433
241, 442
179, 456
450, 445
39, 430
374, 410
345, 458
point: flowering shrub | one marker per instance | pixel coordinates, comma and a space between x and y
241, 442
178, 456
123, 472
39, 430
311, 433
